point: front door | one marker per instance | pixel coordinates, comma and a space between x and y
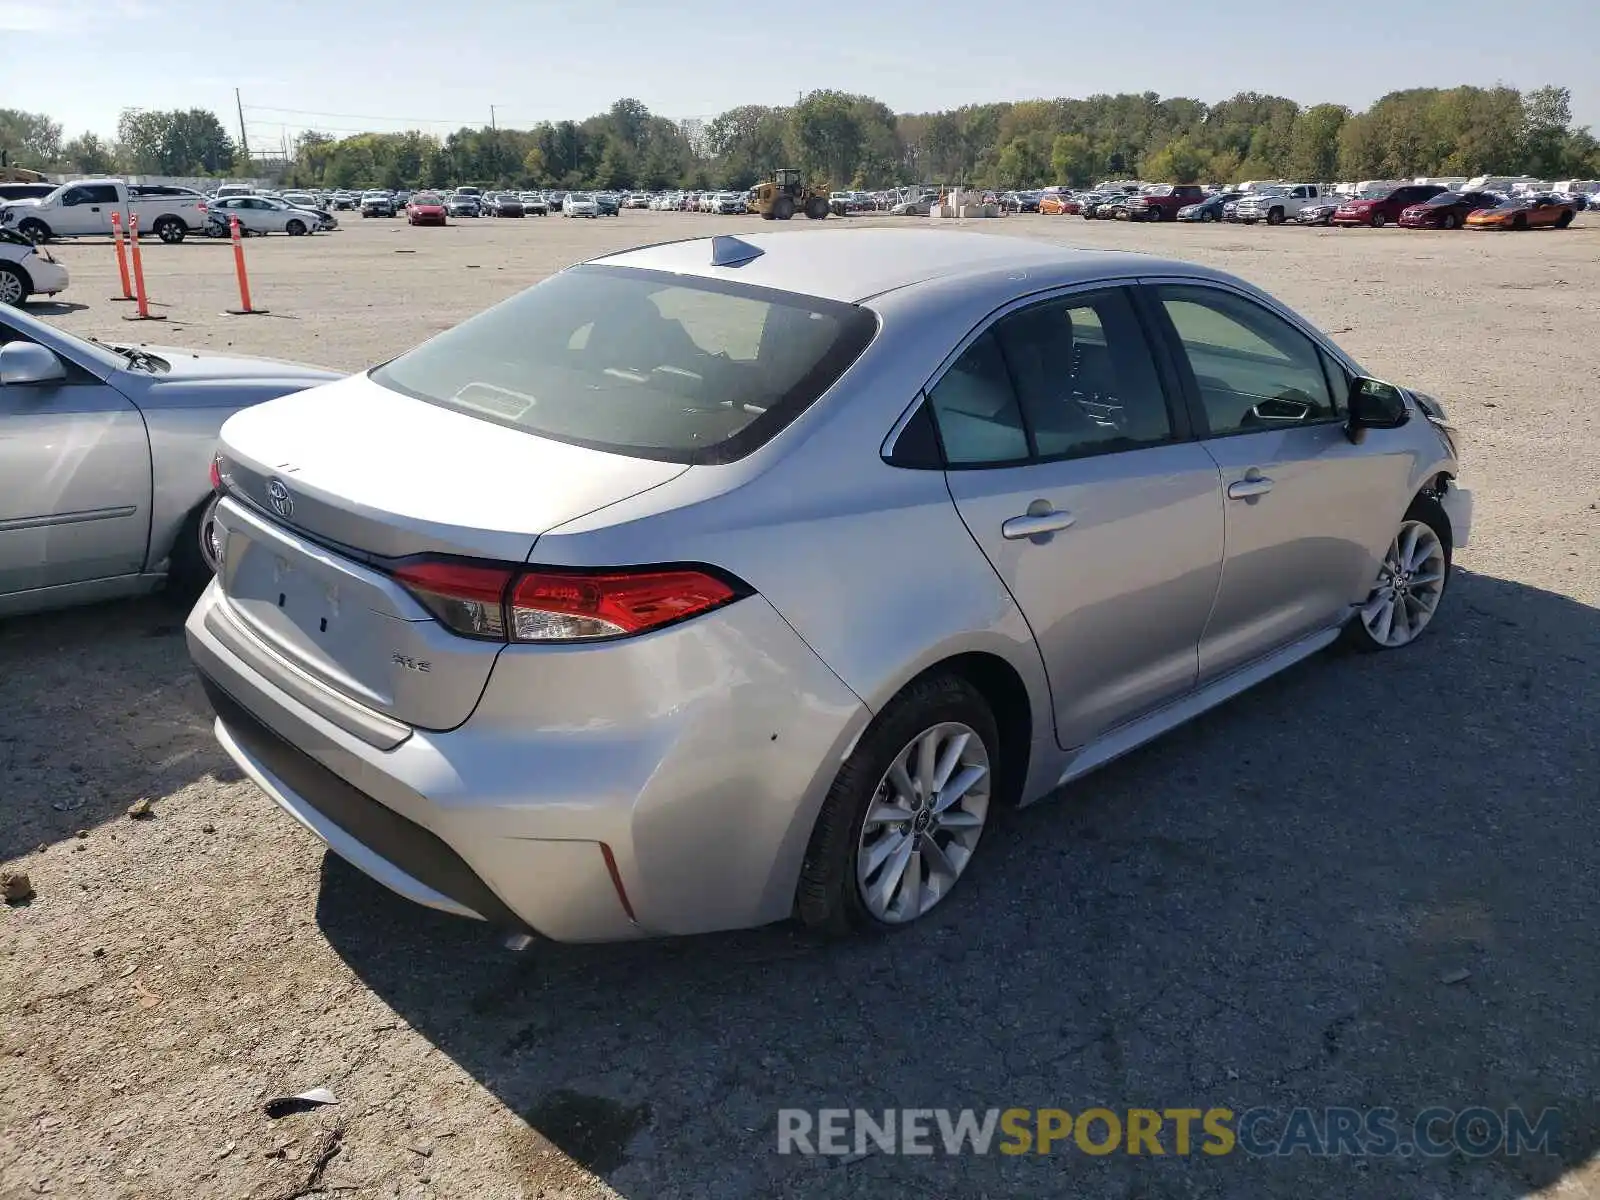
1308, 514
87, 208
74, 482
1070, 469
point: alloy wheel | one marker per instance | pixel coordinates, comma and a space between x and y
1409, 587
11, 288
923, 824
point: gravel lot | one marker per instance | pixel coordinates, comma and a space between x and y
1261, 909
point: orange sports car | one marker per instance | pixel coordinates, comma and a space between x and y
1524, 212
1057, 205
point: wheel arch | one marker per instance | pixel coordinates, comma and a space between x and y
27, 279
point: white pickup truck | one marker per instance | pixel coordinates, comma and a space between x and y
83, 208
1277, 204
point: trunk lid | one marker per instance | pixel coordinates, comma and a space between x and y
330, 484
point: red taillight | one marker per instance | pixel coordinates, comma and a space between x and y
466, 598
561, 606
216, 475
507, 603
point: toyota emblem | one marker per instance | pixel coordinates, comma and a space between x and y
278, 496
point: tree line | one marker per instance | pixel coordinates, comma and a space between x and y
842, 140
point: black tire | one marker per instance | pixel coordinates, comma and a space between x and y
783, 208
1448, 221
295, 228
817, 209
1155, 214
1274, 216
1429, 511
15, 286
1379, 220
1564, 219
190, 568
828, 898
35, 230
1520, 223
768, 216
171, 230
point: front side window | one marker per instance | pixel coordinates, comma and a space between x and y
1254, 370
75, 195
637, 362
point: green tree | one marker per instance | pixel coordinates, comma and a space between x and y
1314, 143
1073, 159
826, 136
88, 155
1546, 118
27, 138
1179, 161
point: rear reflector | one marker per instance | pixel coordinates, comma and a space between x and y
506, 603
216, 474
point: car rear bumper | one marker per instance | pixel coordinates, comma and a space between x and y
666, 785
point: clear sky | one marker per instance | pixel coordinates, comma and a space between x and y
439, 64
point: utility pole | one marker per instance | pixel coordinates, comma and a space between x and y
244, 141
494, 144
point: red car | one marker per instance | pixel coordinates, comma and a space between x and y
1378, 211
1447, 210
425, 208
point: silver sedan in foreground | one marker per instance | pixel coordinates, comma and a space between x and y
720, 581
105, 454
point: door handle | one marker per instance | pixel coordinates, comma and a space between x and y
1244, 489
1035, 523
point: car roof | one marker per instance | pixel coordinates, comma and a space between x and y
852, 265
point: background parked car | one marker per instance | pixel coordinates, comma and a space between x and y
27, 270
1209, 209
580, 204
426, 208
506, 204
534, 204
377, 204
464, 206
1385, 208
1320, 213
1524, 212
1163, 201
1447, 210
260, 215
1062, 204
123, 434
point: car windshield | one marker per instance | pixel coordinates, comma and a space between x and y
425, 198
640, 363
581, 198
1164, 189
1511, 202
1444, 199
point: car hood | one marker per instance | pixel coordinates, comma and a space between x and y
26, 202
197, 366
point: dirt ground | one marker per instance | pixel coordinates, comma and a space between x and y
1273, 906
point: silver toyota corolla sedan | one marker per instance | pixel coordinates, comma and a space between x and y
720, 581
104, 457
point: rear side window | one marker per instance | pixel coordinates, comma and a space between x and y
640, 362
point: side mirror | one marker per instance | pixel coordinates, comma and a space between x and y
1373, 404
25, 363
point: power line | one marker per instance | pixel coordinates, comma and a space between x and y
305, 112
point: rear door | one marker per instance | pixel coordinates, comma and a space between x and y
1075, 475
1307, 513
74, 481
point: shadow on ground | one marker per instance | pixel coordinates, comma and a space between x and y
98, 707
1274, 906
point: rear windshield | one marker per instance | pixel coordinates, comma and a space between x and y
649, 364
